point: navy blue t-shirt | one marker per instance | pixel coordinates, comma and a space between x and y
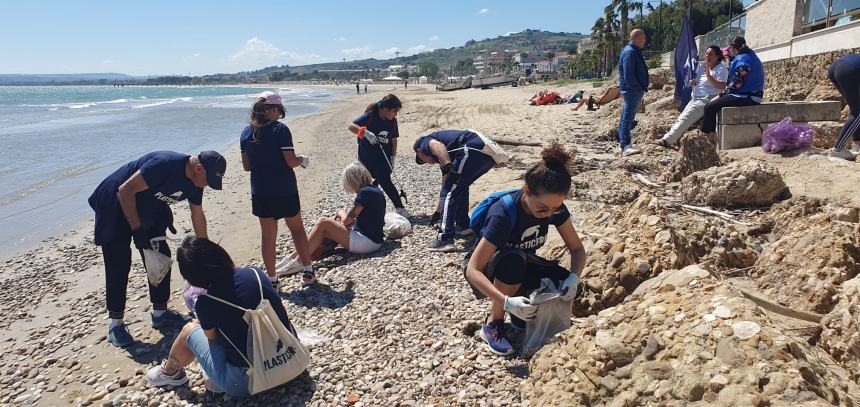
452, 139
529, 234
372, 217
243, 291
385, 130
270, 174
851, 59
164, 173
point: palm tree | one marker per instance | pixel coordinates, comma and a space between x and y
623, 7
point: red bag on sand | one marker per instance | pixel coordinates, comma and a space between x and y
786, 135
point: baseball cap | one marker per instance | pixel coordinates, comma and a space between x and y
272, 98
215, 165
737, 42
415, 147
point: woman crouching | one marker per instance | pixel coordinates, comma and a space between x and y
504, 265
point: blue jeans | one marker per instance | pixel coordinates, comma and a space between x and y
628, 113
212, 357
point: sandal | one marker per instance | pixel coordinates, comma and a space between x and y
662, 143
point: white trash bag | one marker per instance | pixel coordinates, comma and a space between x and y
396, 226
157, 264
553, 316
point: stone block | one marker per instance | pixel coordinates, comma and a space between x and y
732, 136
774, 112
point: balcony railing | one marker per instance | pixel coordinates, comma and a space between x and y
818, 14
721, 35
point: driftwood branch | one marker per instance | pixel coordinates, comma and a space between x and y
508, 142
781, 309
709, 211
643, 179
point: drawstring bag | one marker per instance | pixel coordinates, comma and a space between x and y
396, 226
491, 148
156, 263
553, 316
278, 356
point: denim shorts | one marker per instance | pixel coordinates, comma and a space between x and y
212, 357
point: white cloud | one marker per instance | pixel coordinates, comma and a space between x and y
484, 11
196, 55
434, 38
357, 52
419, 49
391, 51
341, 39
511, 33
257, 53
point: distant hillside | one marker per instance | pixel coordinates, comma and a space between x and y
525, 41
23, 79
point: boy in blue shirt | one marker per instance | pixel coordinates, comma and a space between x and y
132, 204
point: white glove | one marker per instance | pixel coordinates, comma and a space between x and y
371, 138
568, 287
521, 308
305, 161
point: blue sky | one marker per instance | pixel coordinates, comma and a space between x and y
197, 37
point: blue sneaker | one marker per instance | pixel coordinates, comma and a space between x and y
119, 336
494, 334
169, 319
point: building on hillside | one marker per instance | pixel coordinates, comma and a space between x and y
394, 70
586, 44
492, 58
530, 57
779, 29
561, 61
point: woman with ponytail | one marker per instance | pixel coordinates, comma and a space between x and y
377, 145
269, 155
504, 266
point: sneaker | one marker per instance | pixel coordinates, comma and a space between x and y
630, 150
119, 336
494, 334
156, 377
275, 284
289, 268
855, 147
308, 278
463, 232
169, 319
444, 246
517, 324
844, 154
403, 212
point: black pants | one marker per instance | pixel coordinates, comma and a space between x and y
515, 266
382, 176
117, 258
846, 78
709, 122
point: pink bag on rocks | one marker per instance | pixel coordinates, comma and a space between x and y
786, 135
190, 294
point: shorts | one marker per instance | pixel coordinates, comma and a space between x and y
361, 244
518, 267
212, 357
277, 207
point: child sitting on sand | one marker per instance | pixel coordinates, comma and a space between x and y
504, 265
360, 229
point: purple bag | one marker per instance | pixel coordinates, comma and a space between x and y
786, 135
190, 294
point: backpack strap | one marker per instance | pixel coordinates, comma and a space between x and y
250, 365
511, 207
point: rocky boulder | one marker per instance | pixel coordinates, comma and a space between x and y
681, 338
747, 182
697, 153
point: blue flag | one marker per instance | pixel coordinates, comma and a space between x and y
686, 62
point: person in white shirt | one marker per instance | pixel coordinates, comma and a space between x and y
710, 81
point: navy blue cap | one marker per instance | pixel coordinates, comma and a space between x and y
416, 147
215, 166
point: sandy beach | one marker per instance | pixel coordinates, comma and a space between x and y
394, 328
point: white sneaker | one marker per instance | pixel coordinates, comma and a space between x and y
844, 154
283, 262
630, 150
855, 147
293, 266
403, 212
157, 378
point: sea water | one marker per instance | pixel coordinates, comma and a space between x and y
58, 142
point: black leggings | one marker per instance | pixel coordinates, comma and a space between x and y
518, 267
709, 122
382, 176
846, 78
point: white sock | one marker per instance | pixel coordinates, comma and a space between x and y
158, 312
115, 322
273, 278
308, 268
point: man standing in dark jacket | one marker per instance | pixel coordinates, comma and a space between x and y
633, 80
